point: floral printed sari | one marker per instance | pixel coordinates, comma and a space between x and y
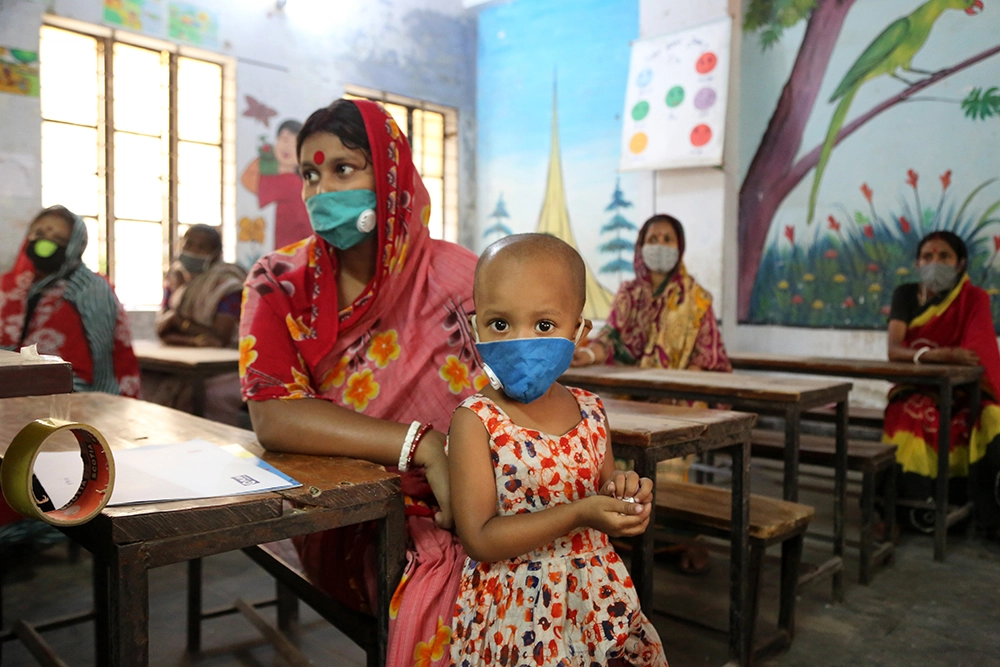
402, 351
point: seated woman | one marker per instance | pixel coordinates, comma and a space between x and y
355, 342
51, 299
201, 308
661, 319
945, 319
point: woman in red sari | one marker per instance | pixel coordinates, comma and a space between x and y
52, 300
355, 342
945, 319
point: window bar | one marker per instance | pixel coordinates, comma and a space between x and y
171, 218
109, 159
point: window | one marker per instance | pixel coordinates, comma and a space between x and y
136, 140
432, 131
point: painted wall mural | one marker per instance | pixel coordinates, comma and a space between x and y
551, 89
865, 126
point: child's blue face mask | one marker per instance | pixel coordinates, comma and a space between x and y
343, 218
525, 368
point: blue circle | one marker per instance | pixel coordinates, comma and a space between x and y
645, 76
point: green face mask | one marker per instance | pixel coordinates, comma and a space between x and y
344, 218
46, 255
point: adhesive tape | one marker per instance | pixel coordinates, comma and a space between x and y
98, 472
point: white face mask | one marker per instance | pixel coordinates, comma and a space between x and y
660, 258
938, 277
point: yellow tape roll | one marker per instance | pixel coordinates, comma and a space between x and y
98, 472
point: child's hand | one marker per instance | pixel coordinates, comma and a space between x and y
628, 484
615, 517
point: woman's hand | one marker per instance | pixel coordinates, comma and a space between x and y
614, 517
430, 454
589, 354
951, 355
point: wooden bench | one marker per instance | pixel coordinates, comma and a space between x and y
706, 509
867, 457
872, 418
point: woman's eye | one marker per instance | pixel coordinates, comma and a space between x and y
498, 325
345, 169
311, 177
544, 327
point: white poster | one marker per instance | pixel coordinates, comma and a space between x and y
675, 99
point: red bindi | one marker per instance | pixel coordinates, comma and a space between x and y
318, 157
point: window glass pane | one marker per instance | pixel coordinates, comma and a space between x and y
138, 185
138, 263
139, 90
435, 188
199, 101
69, 83
199, 184
428, 139
69, 167
398, 113
92, 253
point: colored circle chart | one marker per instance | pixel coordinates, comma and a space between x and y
704, 98
644, 78
675, 96
638, 142
700, 135
706, 62
640, 110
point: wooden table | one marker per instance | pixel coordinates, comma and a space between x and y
19, 377
128, 541
944, 377
195, 364
647, 433
787, 397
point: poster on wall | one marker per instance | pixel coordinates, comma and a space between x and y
18, 72
675, 99
192, 24
140, 15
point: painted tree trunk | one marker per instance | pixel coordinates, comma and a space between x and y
767, 184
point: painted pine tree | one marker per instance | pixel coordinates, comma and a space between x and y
498, 216
617, 226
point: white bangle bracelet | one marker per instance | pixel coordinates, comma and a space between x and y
593, 355
404, 453
916, 357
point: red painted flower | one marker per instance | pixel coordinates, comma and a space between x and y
790, 234
996, 244
830, 254
885, 310
911, 178
797, 299
946, 179
904, 224
867, 192
873, 267
869, 231
849, 302
834, 225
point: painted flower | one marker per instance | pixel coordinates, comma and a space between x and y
361, 389
874, 287
790, 234
248, 355
834, 225
830, 254
902, 271
427, 653
299, 387
817, 305
996, 244
849, 302
867, 192
783, 284
911, 178
797, 299
873, 267
298, 329
904, 224
839, 278
384, 348
885, 310
335, 376
480, 381
808, 277
869, 231
993, 291
456, 373
945, 179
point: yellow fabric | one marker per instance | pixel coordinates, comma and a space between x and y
939, 308
679, 322
915, 455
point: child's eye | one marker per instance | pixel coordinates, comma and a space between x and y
498, 325
544, 326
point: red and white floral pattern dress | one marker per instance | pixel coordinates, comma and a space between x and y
570, 602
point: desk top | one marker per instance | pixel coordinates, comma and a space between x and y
726, 387
154, 355
859, 368
646, 424
331, 482
39, 377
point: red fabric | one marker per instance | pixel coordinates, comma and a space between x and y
291, 220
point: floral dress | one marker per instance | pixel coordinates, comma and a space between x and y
570, 602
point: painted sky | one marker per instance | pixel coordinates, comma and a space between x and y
523, 45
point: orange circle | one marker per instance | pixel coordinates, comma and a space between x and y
638, 142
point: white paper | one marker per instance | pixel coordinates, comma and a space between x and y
160, 473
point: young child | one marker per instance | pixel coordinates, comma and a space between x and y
534, 488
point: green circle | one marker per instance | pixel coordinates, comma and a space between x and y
640, 110
675, 96
45, 248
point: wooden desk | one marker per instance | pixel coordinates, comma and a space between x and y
195, 364
647, 433
128, 541
786, 397
33, 378
944, 377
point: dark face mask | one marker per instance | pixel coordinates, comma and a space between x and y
46, 255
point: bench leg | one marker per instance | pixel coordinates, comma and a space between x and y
288, 607
889, 501
194, 606
791, 558
867, 525
642, 545
756, 564
941, 491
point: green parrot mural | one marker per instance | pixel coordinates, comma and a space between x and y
892, 50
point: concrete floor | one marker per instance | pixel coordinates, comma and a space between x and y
916, 612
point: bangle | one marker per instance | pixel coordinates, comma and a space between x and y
593, 355
417, 439
406, 452
916, 357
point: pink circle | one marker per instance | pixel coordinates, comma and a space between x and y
701, 135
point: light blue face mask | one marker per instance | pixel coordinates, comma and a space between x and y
525, 368
344, 218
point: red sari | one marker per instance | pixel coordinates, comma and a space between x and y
402, 351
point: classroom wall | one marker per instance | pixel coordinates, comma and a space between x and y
293, 61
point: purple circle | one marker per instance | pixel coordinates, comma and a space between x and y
704, 99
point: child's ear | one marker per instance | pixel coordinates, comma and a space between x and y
587, 328
472, 327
